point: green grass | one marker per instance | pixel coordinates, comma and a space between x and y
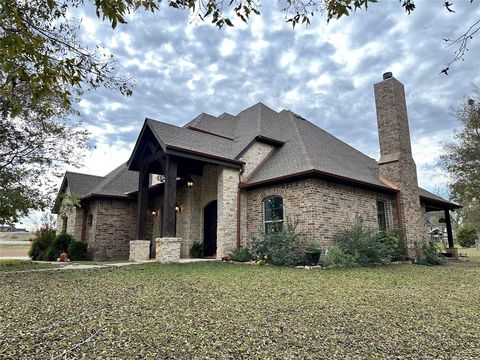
19, 265
220, 310
6, 245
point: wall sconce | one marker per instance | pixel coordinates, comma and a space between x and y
189, 182
154, 213
178, 209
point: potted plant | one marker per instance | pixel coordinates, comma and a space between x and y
312, 253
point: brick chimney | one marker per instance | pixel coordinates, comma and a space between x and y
396, 164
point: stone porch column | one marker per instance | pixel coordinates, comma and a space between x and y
227, 188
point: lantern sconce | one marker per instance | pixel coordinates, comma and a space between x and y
154, 213
178, 208
189, 182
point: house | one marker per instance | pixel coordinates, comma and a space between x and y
221, 180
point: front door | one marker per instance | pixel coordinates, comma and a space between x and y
210, 229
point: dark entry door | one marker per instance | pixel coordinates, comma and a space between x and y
210, 229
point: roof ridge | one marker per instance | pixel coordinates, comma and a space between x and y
297, 131
79, 173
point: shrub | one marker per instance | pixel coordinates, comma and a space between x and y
78, 250
467, 235
335, 256
196, 251
313, 247
429, 254
393, 240
241, 255
58, 246
41, 242
281, 247
364, 244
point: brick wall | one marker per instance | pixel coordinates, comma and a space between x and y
254, 156
320, 208
112, 228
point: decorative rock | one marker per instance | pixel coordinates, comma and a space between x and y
139, 250
168, 249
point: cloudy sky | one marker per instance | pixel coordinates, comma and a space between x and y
323, 72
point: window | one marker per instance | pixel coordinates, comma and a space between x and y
90, 220
381, 215
273, 214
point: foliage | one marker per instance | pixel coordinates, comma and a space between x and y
196, 251
393, 239
461, 159
41, 242
467, 235
69, 203
282, 247
429, 254
32, 149
313, 247
335, 256
78, 251
241, 255
364, 244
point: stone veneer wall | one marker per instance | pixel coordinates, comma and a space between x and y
228, 180
254, 156
112, 229
321, 208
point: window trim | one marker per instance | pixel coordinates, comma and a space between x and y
269, 222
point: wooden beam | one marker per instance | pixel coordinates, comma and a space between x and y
448, 222
142, 202
169, 198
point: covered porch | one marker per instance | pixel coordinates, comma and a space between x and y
182, 195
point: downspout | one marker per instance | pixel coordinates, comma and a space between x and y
400, 217
239, 205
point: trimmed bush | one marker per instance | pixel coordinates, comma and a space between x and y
364, 244
467, 235
196, 251
429, 254
78, 250
393, 240
241, 255
58, 246
41, 242
282, 247
335, 256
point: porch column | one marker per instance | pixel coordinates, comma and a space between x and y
448, 223
142, 202
169, 198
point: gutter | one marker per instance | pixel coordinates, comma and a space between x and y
239, 204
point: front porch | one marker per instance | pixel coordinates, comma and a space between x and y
181, 198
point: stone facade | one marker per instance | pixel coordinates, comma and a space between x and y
168, 249
228, 180
254, 155
321, 209
396, 162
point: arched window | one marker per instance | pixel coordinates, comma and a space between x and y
273, 214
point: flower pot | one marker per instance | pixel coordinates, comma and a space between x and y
312, 257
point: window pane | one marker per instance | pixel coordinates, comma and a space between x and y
382, 220
273, 213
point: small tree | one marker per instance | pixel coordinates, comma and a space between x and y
467, 235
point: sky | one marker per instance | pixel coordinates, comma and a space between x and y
324, 72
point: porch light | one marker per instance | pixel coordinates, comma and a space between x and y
154, 213
189, 182
178, 209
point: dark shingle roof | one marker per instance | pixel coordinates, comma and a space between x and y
305, 148
81, 183
118, 182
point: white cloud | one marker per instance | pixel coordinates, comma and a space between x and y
227, 47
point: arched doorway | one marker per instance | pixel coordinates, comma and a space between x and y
210, 229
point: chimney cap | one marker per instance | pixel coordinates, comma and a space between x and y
387, 75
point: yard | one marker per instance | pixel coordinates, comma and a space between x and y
221, 310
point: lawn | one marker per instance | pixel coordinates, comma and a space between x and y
22, 265
221, 310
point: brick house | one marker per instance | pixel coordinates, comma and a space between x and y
221, 180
